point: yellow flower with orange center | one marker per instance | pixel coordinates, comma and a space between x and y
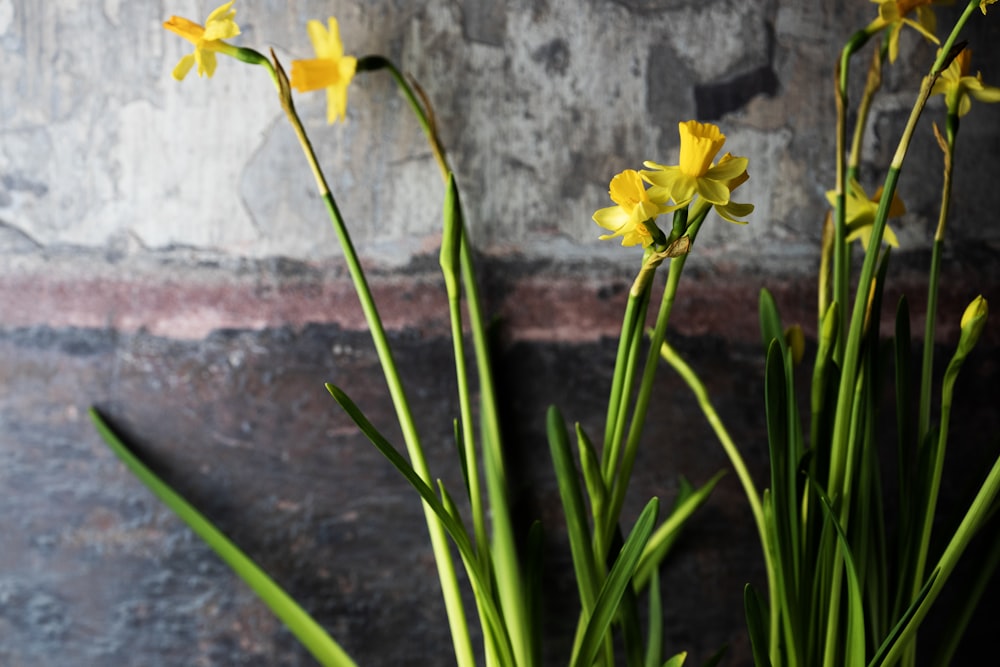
957, 85
207, 39
330, 69
695, 175
632, 210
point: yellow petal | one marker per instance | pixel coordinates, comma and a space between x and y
183, 67
627, 189
728, 169
185, 28
314, 74
700, 142
612, 218
733, 211
670, 183
712, 191
985, 93
206, 62
220, 23
336, 104
326, 43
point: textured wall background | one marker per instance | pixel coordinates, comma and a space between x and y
162, 254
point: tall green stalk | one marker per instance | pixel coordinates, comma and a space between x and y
439, 542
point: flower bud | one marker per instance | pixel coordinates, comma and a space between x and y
973, 321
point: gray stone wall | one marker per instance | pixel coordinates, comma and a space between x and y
163, 254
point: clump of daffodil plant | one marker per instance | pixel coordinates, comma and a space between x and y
612, 563
840, 590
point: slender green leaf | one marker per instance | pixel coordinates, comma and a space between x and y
327, 651
614, 586
460, 451
756, 626
666, 535
533, 584
770, 321
451, 238
854, 643
894, 634
677, 660
979, 511
591, 466
956, 624
572, 501
784, 493
654, 645
493, 619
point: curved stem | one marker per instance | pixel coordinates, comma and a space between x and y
439, 541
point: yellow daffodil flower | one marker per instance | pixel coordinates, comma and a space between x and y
207, 40
633, 208
733, 211
330, 69
985, 3
894, 14
957, 86
700, 142
860, 214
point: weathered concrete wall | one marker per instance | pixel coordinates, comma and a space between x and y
163, 254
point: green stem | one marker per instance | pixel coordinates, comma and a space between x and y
629, 344
839, 445
872, 85
930, 323
978, 512
450, 251
645, 391
439, 542
732, 451
504, 550
840, 254
421, 107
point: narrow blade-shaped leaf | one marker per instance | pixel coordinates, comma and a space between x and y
572, 501
614, 586
301, 624
756, 626
666, 535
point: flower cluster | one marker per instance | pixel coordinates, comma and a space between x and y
330, 69
697, 175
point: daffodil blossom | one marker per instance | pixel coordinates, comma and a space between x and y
633, 209
207, 40
893, 14
957, 85
860, 213
695, 175
330, 69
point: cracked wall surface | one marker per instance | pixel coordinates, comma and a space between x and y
539, 104
164, 255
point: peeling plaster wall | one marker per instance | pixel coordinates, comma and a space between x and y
539, 104
163, 254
